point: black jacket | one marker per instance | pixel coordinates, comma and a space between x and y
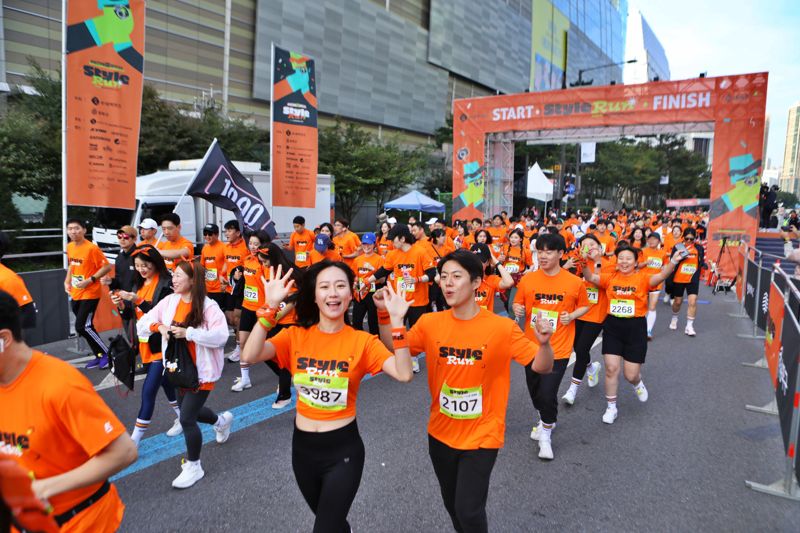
124, 271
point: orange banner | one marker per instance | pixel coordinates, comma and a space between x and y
773, 333
732, 106
103, 73
293, 137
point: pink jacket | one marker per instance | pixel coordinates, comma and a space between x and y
209, 338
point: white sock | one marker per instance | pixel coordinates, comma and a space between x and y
175, 408
193, 463
651, 320
139, 430
639, 385
245, 373
689, 321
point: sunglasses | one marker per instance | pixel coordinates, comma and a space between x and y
124, 236
688, 238
208, 233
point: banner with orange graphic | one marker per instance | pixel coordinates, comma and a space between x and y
103, 76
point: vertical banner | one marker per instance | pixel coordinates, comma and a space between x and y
104, 45
772, 332
588, 152
750, 291
762, 304
293, 135
787, 363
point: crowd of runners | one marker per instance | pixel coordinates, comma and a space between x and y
324, 309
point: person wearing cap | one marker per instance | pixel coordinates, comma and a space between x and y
364, 266
431, 223
212, 257
301, 242
324, 249
124, 270
14, 285
147, 232
347, 243
392, 221
235, 251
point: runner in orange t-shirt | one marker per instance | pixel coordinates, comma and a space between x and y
470, 351
347, 243
686, 280
439, 246
212, 256
231, 280
173, 246
625, 327
59, 423
490, 283
560, 297
384, 244
363, 267
652, 259
301, 242
327, 359
87, 265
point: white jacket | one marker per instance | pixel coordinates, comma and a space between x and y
209, 338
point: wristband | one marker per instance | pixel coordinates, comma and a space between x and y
383, 318
268, 312
94, 279
266, 324
399, 339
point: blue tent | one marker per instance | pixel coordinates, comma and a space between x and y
416, 201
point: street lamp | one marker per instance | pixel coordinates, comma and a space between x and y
581, 81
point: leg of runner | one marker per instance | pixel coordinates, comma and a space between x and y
359, 312
651, 313
585, 335
84, 326
691, 314
612, 363
193, 410
372, 314
676, 305
413, 314
284, 376
633, 373
243, 381
543, 389
328, 468
464, 483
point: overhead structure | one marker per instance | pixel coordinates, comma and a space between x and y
416, 201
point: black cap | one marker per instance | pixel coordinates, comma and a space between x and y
482, 251
212, 228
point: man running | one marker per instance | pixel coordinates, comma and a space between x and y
687, 281
301, 243
212, 257
232, 280
174, 247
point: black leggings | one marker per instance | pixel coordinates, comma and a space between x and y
365, 307
284, 376
437, 297
328, 469
84, 325
464, 481
543, 389
585, 335
193, 411
155, 379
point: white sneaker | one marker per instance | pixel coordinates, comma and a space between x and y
690, 330
610, 415
593, 374
240, 384
673, 324
233, 356
641, 392
223, 426
280, 404
666, 298
415, 365
569, 396
536, 431
191, 474
176, 428
545, 449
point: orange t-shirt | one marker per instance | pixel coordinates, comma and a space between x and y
415, 261
213, 259
364, 266
670, 241
384, 246
331, 255
569, 237
598, 301
253, 286
498, 239
469, 374
654, 260
484, 294
347, 243
627, 293
179, 319
234, 257
518, 258
147, 293
327, 368
85, 259
182, 242
607, 243
438, 252
552, 295
14, 285
57, 423
148, 242
302, 244
686, 268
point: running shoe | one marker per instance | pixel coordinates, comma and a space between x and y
545, 450
280, 404
536, 431
191, 473
233, 356
240, 384
94, 363
569, 396
641, 392
593, 374
415, 365
223, 426
176, 428
666, 298
673, 324
104, 362
610, 415
690, 330
649, 335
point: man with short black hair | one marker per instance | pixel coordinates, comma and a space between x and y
174, 246
347, 243
301, 242
232, 279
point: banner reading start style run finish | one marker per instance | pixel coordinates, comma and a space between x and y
103, 76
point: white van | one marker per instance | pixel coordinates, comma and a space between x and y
157, 194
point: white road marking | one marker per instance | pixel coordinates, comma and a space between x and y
111, 381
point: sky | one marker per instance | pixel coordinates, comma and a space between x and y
735, 37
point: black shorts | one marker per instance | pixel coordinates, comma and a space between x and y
248, 320
218, 297
626, 337
233, 301
677, 290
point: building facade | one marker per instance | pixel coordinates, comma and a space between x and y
642, 45
790, 172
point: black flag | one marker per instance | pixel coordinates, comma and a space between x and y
219, 182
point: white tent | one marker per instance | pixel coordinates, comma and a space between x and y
539, 187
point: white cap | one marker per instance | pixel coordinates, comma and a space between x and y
434, 220
391, 220
148, 223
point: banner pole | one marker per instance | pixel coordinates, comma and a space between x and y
64, 133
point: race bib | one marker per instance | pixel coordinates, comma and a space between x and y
622, 308
76, 279
550, 316
328, 393
251, 293
655, 262
406, 286
461, 404
593, 294
512, 268
300, 257
211, 274
688, 269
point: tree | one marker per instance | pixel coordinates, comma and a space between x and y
789, 200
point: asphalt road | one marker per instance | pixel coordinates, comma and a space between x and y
677, 463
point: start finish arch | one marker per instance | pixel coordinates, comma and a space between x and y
732, 107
